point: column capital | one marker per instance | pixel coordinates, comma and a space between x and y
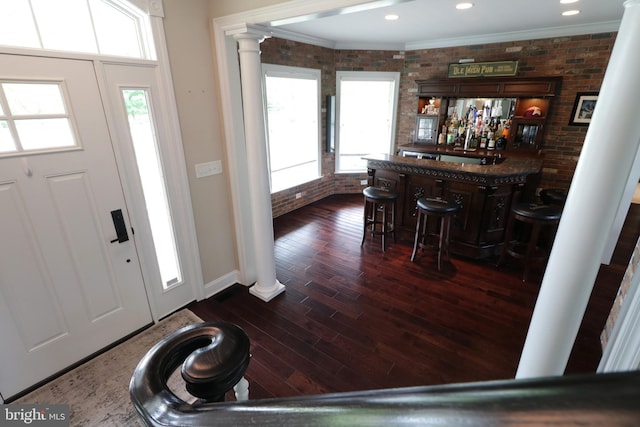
249, 31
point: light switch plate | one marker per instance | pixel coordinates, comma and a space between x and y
208, 168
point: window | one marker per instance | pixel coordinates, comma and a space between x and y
107, 27
34, 117
292, 97
142, 130
367, 103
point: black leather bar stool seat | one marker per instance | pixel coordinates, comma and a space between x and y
553, 196
529, 250
379, 213
438, 208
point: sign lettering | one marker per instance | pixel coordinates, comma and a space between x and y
484, 69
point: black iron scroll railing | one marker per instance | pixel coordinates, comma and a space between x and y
216, 355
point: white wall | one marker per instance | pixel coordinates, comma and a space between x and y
190, 53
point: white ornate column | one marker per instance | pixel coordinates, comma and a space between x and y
603, 170
267, 285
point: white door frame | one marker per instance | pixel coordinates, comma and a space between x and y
174, 163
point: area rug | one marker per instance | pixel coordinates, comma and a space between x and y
97, 392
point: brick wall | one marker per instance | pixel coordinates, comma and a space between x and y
580, 60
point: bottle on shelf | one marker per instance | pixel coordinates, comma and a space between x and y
473, 144
461, 130
506, 129
483, 138
491, 143
452, 133
443, 135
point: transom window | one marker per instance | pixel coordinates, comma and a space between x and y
34, 117
106, 27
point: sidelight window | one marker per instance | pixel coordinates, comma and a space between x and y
142, 130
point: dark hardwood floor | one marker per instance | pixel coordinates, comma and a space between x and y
355, 318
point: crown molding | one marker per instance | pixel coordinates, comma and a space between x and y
542, 33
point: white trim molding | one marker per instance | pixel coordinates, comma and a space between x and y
622, 352
151, 7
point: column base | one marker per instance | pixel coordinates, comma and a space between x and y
267, 294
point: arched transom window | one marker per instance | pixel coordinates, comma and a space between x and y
105, 27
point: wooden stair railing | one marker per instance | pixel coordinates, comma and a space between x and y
587, 400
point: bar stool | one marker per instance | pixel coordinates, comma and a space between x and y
379, 205
539, 217
553, 196
439, 208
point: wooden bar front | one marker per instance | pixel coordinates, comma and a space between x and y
484, 192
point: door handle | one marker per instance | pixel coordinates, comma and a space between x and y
119, 225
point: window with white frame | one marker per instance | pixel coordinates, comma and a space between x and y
292, 105
106, 27
34, 117
367, 105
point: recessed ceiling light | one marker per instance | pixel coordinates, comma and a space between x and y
570, 12
391, 17
568, 1
462, 6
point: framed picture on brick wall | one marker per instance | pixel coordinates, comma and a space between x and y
583, 108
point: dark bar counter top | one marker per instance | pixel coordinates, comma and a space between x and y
478, 167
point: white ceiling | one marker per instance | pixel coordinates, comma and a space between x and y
427, 24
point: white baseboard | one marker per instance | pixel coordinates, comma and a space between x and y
221, 283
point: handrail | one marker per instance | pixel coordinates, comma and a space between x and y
586, 400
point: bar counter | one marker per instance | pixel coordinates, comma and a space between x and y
483, 183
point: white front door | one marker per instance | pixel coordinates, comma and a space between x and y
68, 287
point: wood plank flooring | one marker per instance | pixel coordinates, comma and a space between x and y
355, 318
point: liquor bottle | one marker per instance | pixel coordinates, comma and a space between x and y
467, 138
506, 129
443, 135
452, 132
473, 144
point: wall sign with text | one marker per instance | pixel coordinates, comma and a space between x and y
484, 69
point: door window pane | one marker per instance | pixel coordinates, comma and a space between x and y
35, 117
31, 99
6, 140
143, 133
44, 134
